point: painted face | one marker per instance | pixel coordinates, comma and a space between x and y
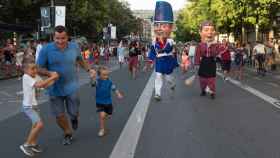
61, 39
163, 30
207, 33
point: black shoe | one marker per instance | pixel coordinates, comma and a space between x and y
157, 97
67, 140
203, 93
75, 123
213, 96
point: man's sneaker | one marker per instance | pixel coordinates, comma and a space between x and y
27, 150
101, 133
203, 93
36, 148
75, 123
157, 98
67, 140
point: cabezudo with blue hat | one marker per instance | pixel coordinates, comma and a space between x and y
163, 13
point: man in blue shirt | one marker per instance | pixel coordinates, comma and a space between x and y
62, 56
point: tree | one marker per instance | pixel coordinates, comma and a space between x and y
230, 16
83, 17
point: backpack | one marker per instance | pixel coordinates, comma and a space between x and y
238, 58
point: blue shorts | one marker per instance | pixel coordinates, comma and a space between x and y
33, 113
70, 103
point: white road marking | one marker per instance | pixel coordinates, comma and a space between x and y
257, 78
277, 77
127, 142
272, 84
14, 101
6, 94
19, 93
275, 102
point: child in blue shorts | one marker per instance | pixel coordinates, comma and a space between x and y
31, 81
104, 87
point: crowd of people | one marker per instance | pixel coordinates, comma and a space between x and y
234, 56
60, 60
12, 56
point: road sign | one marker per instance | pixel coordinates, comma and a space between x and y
113, 32
60, 13
45, 17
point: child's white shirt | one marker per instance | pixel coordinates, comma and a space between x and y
29, 94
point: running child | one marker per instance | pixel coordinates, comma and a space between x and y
104, 87
31, 81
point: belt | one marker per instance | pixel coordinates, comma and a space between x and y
164, 54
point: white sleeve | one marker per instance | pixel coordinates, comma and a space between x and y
170, 41
29, 81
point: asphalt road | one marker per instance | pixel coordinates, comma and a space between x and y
237, 124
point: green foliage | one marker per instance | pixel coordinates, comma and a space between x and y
83, 17
228, 15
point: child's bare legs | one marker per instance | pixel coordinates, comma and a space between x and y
34, 133
102, 120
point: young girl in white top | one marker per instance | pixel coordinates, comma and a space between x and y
31, 81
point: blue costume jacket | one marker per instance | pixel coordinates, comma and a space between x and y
164, 59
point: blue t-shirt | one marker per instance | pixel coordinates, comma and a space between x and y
104, 89
64, 63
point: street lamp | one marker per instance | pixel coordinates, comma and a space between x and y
38, 28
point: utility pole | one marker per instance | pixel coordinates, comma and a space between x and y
52, 13
52, 3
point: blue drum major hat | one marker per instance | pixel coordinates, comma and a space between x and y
163, 13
